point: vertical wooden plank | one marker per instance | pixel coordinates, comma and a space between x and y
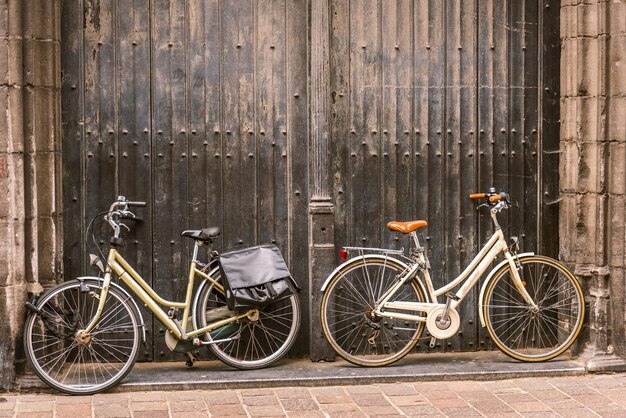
201, 157
100, 187
468, 162
528, 136
548, 142
486, 49
169, 143
341, 136
451, 139
271, 122
514, 154
500, 68
133, 98
73, 153
397, 168
435, 190
239, 167
365, 142
419, 134
297, 157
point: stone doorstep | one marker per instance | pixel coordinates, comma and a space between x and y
482, 365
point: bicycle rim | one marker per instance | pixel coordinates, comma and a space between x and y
529, 334
347, 319
254, 343
71, 366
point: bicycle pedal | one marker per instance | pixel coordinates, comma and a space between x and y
433, 342
452, 296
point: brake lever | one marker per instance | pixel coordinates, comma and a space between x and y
483, 205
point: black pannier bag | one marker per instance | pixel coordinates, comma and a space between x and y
255, 277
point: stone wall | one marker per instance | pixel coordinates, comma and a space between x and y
593, 166
30, 146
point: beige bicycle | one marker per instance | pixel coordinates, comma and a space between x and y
83, 336
376, 305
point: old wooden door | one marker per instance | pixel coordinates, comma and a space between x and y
433, 100
197, 107
201, 108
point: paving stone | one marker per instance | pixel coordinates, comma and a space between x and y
306, 414
535, 406
378, 410
259, 400
227, 410
333, 399
534, 384
112, 412
187, 406
291, 393
73, 400
398, 389
459, 412
353, 390
449, 403
420, 410
306, 404
546, 395
148, 396
151, 414
370, 399
221, 398
341, 408
413, 400
591, 399
7, 404
464, 386
73, 410
35, 415
196, 414
149, 406
575, 413
265, 411
34, 406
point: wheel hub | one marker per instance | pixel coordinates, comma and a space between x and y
83, 338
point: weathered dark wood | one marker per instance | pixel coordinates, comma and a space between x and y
311, 124
133, 108
72, 93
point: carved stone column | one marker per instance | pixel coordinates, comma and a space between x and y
321, 208
592, 169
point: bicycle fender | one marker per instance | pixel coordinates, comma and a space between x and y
345, 263
488, 279
142, 324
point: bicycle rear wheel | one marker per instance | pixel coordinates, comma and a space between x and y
82, 366
251, 343
528, 334
347, 306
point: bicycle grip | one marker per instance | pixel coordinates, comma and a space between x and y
477, 195
495, 198
138, 204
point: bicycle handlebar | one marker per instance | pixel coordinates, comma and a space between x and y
492, 196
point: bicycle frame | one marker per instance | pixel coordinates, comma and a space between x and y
477, 267
117, 264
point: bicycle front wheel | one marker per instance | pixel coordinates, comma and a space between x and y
93, 363
534, 334
354, 332
250, 343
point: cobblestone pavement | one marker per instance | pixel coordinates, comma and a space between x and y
582, 396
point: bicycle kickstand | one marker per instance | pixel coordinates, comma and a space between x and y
432, 343
191, 360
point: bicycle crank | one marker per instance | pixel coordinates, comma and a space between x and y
446, 329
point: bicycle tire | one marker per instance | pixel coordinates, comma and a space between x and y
532, 335
346, 312
57, 356
260, 342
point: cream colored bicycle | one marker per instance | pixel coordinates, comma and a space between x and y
83, 336
376, 305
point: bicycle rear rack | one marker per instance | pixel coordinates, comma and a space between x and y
362, 251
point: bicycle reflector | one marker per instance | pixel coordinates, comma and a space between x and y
343, 254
